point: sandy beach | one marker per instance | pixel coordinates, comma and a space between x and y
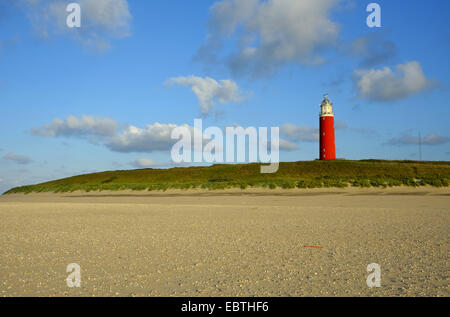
227, 243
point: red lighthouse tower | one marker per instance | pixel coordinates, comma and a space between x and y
327, 146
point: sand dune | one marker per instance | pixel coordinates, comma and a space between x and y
226, 243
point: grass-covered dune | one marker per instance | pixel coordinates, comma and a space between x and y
310, 174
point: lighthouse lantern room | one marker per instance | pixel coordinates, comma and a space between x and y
327, 144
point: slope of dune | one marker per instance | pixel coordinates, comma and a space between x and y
308, 174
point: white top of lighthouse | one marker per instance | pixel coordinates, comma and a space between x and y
326, 107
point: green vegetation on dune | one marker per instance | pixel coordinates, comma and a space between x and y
310, 174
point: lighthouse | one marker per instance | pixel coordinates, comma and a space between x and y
327, 146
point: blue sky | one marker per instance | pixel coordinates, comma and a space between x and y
70, 97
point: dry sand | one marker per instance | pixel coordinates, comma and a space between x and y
227, 243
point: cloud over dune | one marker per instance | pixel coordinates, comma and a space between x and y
86, 126
299, 133
154, 137
129, 139
430, 139
145, 163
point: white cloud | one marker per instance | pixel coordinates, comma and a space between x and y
106, 131
112, 16
101, 20
131, 139
434, 139
296, 133
86, 126
283, 144
144, 163
154, 137
430, 139
19, 159
270, 33
385, 85
288, 146
1, 180
209, 91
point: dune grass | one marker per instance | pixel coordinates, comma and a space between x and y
306, 174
